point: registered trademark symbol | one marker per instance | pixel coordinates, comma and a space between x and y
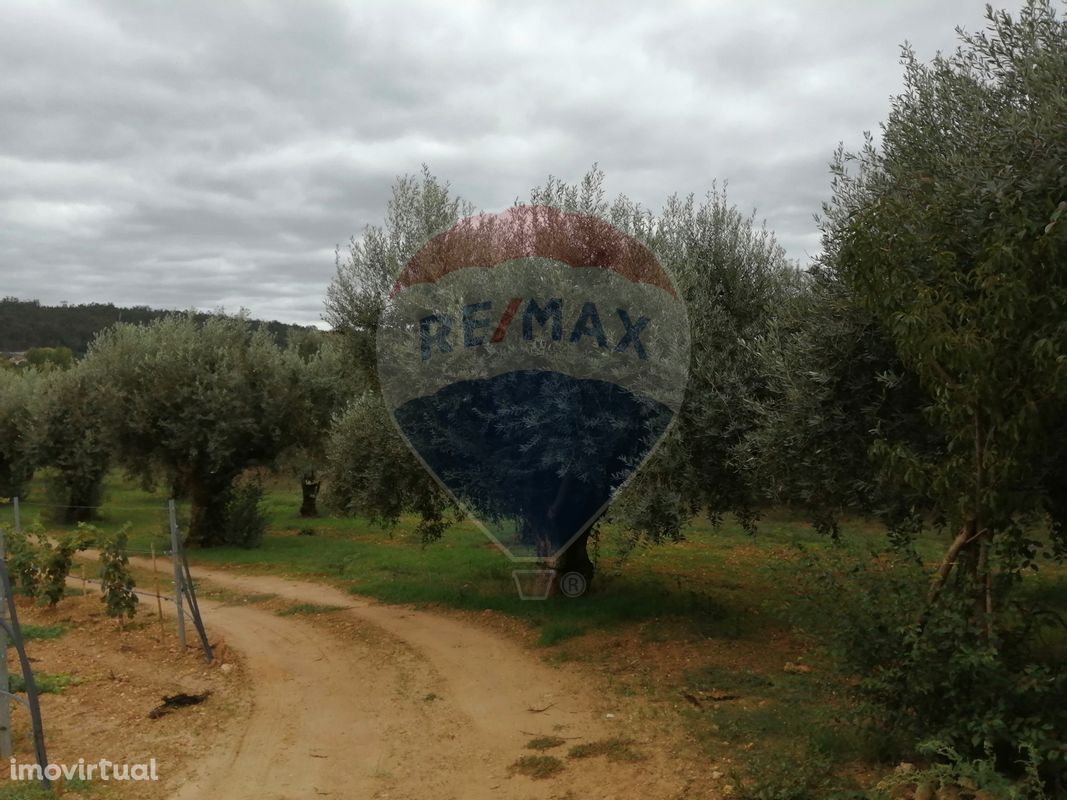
573, 584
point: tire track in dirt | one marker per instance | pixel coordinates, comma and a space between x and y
400, 703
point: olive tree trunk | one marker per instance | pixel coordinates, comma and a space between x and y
575, 559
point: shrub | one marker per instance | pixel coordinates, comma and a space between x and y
22, 560
952, 775
38, 566
245, 521
938, 681
56, 559
116, 580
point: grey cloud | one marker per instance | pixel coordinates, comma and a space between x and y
212, 154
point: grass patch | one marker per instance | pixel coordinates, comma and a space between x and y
307, 609
30, 631
745, 595
616, 748
556, 631
705, 587
80, 785
545, 742
537, 767
789, 775
713, 678
24, 791
776, 713
462, 571
47, 682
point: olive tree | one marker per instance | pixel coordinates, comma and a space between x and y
733, 275
333, 383
943, 271
952, 234
44, 358
372, 471
16, 451
70, 436
419, 208
832, 386
203, 402
729, 271
369, 467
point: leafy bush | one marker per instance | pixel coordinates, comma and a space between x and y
116, 580
38, 566
372, 471
22, 561
55, 560
938, 681
244, 520
955, 776
986, 698
865, 601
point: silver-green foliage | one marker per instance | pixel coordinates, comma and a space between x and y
202, 402
71, 438
945, 247
729, 271
370, 469
16, 452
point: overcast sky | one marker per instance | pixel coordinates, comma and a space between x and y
213, 154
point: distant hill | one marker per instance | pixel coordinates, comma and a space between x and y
25, 324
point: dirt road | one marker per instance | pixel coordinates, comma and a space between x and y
377, 701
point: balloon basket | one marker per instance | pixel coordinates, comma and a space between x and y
534, 584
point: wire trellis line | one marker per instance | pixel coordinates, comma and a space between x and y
166, 598
25, 504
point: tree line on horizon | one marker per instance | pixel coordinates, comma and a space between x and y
29, 324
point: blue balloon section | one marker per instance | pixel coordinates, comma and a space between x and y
535, 455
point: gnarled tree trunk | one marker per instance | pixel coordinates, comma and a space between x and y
573, 561
309, 486
207, 512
